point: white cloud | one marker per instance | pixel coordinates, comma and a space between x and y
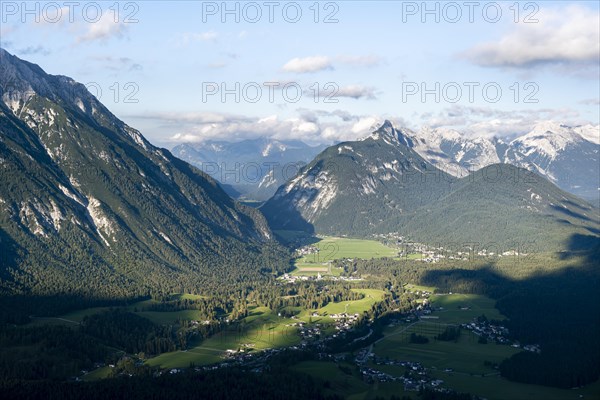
355, 92
327, 127
562, 36
489, 122
104, 29
308, 64
320, 63
309, 126
364, 125
67, 19
6, 30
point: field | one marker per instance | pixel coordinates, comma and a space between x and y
343, 379
465, 357
99, 373
262, 329
498, 388
334, 248
453, 304
372, 296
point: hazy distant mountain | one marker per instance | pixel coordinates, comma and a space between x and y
567, 156
381, 185
252, 168
85, 200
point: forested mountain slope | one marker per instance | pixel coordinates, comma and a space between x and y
88, 205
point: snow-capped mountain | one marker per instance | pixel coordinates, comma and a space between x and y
567, 156
452, 152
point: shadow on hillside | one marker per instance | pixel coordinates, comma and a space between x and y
288, 219
588, 244
558, 309
584, 247
9, 251
571, 213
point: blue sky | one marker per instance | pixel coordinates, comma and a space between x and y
155, 65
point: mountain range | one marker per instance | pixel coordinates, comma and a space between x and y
252, 168
381, 184
87, 204
567, 156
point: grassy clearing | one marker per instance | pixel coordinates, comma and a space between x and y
169, 317
372, 296
181, 359
36, 321
421, 288
97, 374
188, 296
343, 378
453, 304
261, 330
79, 315
465, 356
76, 317
335, 248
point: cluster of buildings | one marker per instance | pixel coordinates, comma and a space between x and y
302, 278
296, 278
498, 334
344, 322
306, 250
416, 376
493, 333
308, 332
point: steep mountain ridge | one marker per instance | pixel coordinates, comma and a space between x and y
378, 175
84, 193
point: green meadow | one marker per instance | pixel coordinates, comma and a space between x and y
335, 248
261, 329
372, 296
461, 308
